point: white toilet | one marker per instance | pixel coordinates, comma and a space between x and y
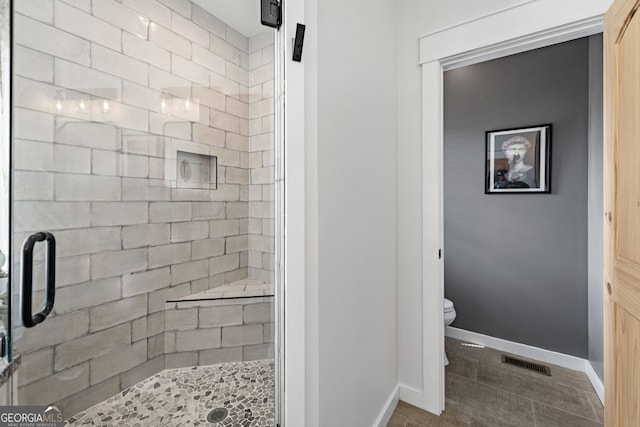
449, 317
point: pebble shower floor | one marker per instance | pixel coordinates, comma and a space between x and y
185, 396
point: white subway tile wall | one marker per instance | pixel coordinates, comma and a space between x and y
106, 93
219, 331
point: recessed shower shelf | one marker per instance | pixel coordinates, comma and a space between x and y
197, 171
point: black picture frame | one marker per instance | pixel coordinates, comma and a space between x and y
518, 160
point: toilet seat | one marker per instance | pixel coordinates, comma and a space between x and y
448, 305
449, 316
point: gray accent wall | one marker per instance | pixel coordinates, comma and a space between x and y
596, 209
516, 264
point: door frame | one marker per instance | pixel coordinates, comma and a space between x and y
296, 332
539, 23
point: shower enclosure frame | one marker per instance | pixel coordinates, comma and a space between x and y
279, 213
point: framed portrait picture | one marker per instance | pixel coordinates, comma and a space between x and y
518, 160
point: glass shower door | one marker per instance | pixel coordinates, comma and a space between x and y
5, 368
143, 222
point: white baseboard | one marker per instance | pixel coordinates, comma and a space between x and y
540, 354
411, 395
389, 407
547, 356
596, 382
415, 397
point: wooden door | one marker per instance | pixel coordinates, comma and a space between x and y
622, 214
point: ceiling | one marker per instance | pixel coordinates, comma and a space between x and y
242, 15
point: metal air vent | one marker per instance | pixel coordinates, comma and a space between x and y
536, 367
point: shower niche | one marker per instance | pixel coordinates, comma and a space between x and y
197, 171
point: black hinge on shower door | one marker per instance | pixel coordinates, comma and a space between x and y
271, 13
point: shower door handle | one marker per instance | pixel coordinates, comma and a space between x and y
26, 294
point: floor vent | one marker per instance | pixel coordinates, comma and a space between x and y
536, 367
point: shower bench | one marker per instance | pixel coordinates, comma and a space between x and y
229, 323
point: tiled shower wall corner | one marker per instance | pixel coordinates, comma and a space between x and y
244, 326
106, 93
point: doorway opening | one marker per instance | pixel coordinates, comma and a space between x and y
450, 48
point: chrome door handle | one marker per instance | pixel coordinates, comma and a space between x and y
26, 295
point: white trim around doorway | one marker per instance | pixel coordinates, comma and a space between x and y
524, 27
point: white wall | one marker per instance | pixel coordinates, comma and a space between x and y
360, 60
341, 266
356, 214
296, 324
417, 18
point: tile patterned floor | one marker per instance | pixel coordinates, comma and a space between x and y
185, 396
481, 391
